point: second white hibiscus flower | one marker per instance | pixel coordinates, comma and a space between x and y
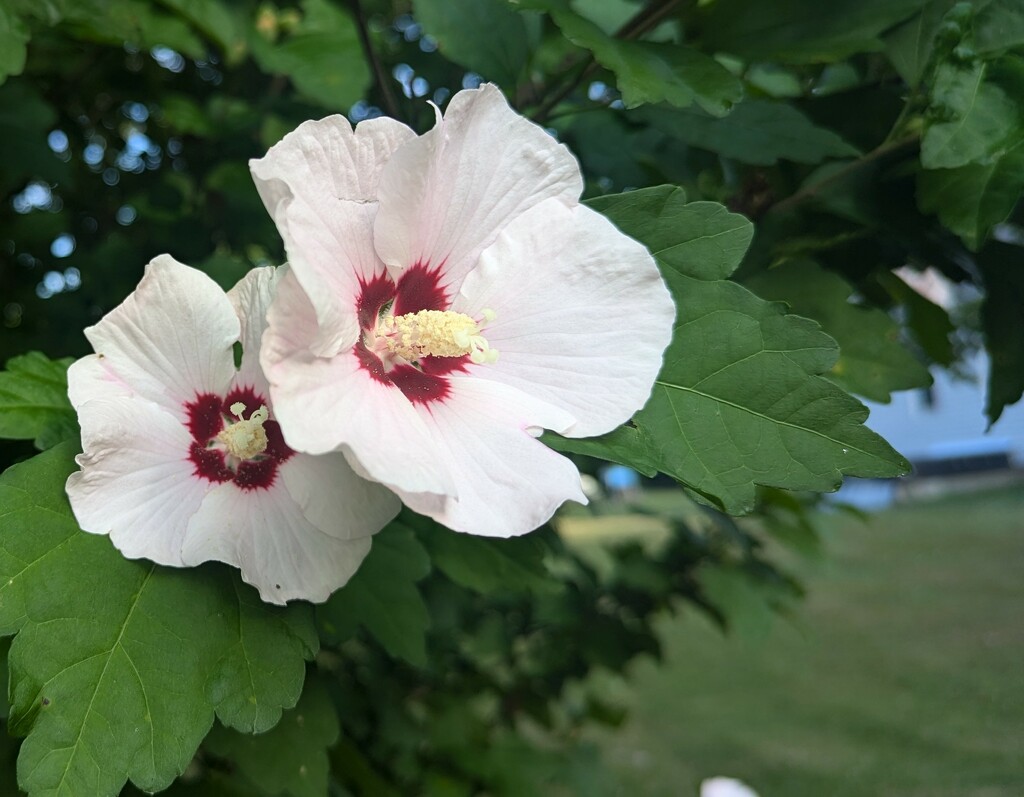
449, 299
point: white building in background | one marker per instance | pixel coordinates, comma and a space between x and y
948, 421
942, 431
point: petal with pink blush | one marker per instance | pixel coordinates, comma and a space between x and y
169, 340
136, 482
320, 185
446, 195
324, 404
509, 482
582, 314
89, 378
279, 551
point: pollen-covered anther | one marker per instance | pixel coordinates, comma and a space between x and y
246, 438
437, 333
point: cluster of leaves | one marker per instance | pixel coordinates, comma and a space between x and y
788, 156
429, 664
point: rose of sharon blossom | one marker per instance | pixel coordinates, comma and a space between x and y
449, 298
183, 460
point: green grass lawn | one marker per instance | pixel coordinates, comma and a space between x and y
902, 675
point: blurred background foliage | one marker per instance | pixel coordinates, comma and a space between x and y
859, 135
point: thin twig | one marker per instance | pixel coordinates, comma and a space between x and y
379, 75
811, 191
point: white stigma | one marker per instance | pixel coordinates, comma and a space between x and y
437, 333
245, 439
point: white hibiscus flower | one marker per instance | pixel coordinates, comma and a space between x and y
183, 460
449, 299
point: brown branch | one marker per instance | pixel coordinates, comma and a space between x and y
380, 77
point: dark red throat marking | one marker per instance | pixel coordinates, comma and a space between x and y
418, 288
208, 415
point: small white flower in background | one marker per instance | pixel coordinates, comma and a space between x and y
450, 298
725, 787
183, 459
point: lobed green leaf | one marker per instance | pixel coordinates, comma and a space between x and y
292, 757
739, 402
118, 666
872, 361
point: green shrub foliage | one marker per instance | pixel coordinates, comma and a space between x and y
778, 159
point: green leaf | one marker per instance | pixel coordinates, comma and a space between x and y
486, 565
34, 400
971, 199
13, 38
929, 323
626, 445
910, 45
292, 757
383, 597
981, 118
708, 239
259, 670
872, 361
215, 20
457, 25
652, 72
738, 402
998, 25
1001, 320
321, 55
801, 31
137, 21
759, 132
119, 666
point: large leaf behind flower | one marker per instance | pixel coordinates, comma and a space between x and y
738, 402
119, 666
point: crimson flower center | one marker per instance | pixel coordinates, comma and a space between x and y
233, 439
411, 340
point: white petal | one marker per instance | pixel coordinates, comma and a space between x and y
136, 483
445, 196
251, 298
334, 499
89, 378
320, 185
265, 534
324, 404
327, 158
583, 315
508, 482
170, 340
